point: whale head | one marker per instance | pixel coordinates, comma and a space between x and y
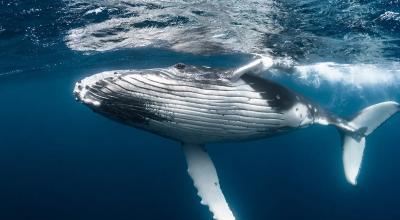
87, 90
105, 93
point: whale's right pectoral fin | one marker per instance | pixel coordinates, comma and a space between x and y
201, 169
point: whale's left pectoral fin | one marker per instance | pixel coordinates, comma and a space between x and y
258, 65
201, 169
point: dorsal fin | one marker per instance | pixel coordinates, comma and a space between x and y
257, 65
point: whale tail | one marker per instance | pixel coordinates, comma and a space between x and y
364, 123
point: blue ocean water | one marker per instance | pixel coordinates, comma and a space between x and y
59, 160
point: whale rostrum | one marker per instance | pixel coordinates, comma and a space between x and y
200, 105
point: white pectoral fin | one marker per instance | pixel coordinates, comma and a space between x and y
201, 169
260, 64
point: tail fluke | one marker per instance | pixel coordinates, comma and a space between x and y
365, 123
353, 151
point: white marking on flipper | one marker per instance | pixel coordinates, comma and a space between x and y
201, 169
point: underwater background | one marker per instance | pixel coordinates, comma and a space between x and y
59, 160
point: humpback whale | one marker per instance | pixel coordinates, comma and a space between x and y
200, 105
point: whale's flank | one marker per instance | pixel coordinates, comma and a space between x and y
207, 105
